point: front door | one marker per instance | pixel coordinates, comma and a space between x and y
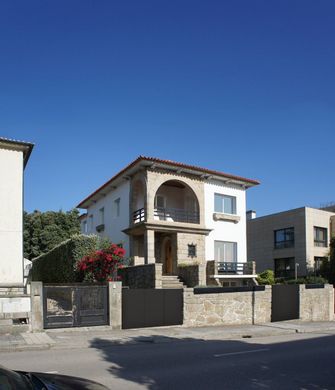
168, 257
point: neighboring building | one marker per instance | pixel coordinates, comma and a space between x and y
14, 156
282, 241
171, 213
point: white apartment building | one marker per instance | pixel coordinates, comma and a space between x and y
171, 213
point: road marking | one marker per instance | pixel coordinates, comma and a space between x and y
241, 352
51, 372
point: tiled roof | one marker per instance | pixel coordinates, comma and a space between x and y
169, 163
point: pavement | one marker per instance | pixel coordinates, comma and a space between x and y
70, 338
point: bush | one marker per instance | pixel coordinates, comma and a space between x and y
266, 277
102, 265
303, 280
59, 265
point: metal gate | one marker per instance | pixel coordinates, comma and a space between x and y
75, 305
151, 307
285, 302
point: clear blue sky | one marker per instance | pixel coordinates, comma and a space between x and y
245, 87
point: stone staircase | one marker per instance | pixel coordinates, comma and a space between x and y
171, 281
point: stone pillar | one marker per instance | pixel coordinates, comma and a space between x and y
149, 246
158, 275
37, 314
115, 304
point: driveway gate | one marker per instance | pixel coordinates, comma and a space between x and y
151, 307
75, 305
285, 302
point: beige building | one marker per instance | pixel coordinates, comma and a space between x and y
290, 241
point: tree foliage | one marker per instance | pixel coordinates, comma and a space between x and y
42, 231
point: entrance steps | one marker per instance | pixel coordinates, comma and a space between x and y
171, 281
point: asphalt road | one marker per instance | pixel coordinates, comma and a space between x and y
300, 361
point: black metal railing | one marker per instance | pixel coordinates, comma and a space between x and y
176, 215
234, 268
139, 215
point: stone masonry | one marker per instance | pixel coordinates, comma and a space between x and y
228, 308
317, 304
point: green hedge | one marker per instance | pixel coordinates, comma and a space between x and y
58, 265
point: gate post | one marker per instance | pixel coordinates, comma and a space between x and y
37, 314
115, 304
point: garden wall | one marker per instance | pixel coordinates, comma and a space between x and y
224, 306
316, 302
142, 276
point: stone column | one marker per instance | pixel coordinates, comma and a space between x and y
158, 275
149, 246
37, 314
115, 304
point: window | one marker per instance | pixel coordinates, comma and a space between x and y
284, 238
102, 216
320, 236
318, 261
90, 223
224, 204
117, 207
160, 202
284, 268
85, 229
225, 251
192, 250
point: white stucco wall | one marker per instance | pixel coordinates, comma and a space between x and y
113, 224
11, 192
225, 230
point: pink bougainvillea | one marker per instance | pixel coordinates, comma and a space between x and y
102, 265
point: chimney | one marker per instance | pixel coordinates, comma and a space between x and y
251, 214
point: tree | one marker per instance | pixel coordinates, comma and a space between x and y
331, 275
42, 231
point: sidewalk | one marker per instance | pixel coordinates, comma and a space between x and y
83, 337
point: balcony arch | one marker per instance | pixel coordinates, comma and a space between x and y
175, 201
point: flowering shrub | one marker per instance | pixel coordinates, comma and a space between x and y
102, 265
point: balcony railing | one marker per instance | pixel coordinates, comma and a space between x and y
176, 215
234, 268
139, 216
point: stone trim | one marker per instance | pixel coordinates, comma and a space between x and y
226, 217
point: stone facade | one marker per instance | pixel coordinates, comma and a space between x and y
303, 251
142, 276
189, 275
316, 304
227, 308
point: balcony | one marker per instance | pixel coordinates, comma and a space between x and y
139, 215
176, 215
234, 268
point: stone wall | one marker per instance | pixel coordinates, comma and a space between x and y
227, 308
189, 274
316, 304
142, 276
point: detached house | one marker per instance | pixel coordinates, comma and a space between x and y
171, 213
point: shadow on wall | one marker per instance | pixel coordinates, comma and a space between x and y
160, 362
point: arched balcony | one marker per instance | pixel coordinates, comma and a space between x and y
176, 202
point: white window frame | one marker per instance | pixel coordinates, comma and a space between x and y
221, 257
222, 200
